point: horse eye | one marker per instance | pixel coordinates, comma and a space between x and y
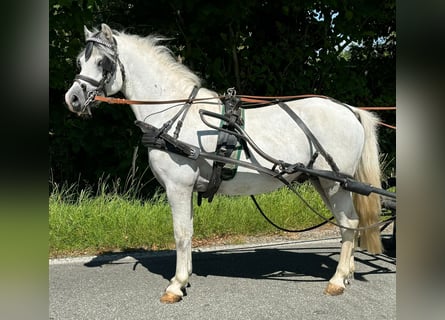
99, 63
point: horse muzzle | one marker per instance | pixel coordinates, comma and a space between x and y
78, 99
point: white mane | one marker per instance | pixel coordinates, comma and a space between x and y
163, 55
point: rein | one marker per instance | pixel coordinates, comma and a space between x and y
112, 100
255, 101
244, 98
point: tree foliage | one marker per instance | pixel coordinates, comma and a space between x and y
344, 49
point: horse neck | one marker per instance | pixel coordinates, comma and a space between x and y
149, 76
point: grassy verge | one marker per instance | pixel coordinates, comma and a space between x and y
89, 223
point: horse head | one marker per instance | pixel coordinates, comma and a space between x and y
101, 71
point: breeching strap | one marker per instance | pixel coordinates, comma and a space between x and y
310, 135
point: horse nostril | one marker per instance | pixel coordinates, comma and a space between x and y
75, 101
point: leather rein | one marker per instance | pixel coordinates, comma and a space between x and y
244, 98
251, 101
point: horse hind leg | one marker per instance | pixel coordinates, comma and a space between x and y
339, 201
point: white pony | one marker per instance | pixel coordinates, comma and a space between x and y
142, 69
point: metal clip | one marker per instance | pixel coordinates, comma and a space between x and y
91, 96
231, 92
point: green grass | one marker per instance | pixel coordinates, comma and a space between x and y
87, 222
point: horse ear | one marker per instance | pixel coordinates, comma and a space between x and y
87, 32
107, 32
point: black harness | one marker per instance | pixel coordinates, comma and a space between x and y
231, 136
228, 141
159, 138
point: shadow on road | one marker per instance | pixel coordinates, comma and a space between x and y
288, 264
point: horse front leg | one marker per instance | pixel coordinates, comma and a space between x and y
180, 200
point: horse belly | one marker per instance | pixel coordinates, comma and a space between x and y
245, 183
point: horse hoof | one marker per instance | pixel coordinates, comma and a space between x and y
333, 290
170, 298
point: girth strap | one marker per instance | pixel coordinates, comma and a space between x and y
226, 144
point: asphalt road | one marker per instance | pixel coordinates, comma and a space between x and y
270, 281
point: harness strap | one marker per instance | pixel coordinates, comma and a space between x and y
184, 111
167, 125
92, 81
310, 135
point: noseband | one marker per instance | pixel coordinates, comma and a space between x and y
108, 69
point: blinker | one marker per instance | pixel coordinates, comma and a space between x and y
88, 50
108, 65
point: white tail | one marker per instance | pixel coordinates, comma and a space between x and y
369, 207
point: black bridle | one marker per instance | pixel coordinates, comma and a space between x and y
108, 64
